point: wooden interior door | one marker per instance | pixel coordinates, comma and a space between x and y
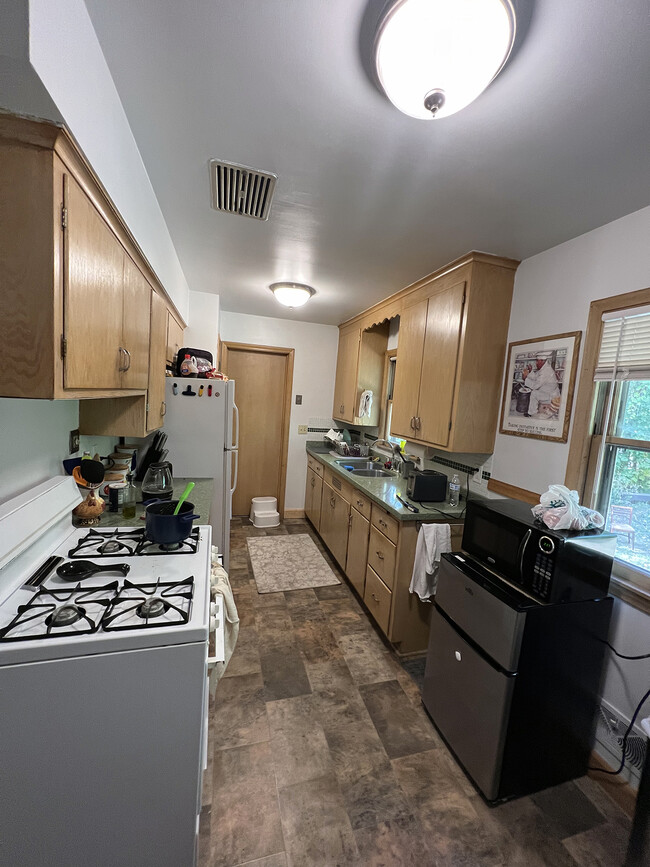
345, 386
439, 363
412, 327
93, 280
263, 380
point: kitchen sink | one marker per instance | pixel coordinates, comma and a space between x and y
358, 464
371, 474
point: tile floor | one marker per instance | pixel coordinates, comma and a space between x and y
321, 754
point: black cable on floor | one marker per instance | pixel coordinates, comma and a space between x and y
622, 655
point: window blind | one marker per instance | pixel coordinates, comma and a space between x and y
625, 345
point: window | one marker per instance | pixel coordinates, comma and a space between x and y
618, 462
387, 408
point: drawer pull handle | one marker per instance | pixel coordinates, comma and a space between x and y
380, 555
375, 598
360, 503
383, 523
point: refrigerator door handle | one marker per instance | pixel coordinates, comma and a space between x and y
235, 410
234, 485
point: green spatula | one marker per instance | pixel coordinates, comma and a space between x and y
184, 496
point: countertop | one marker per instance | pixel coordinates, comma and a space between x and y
383, 491
201, 496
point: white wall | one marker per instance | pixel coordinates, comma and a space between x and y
313, 377
553, 291
552, 294
202, 331
65, 53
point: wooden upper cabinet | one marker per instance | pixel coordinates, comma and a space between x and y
136, 326
360, 367
76, 288
174, 337
450, 355
156, 376
93, 295
345, 387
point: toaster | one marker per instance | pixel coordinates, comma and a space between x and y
427, 486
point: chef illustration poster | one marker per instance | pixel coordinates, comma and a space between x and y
538, 389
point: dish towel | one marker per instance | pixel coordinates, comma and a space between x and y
219, 583
365, 403
433, 540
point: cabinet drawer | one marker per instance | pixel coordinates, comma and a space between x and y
378, 598
315, 465
361, 503
344, 488
385, 524
381, 556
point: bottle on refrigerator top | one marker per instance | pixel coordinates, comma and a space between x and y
189, 366
454, 490
128, 498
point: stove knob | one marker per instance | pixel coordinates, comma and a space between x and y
213, 616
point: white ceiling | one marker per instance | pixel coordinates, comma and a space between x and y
369, 200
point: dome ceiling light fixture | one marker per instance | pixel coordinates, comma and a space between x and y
292, 294
434, 57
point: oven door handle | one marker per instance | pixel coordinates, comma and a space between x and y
522, 551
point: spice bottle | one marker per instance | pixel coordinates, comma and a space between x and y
128, 498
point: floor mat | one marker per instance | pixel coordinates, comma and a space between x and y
288, 563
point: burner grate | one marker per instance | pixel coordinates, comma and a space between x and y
128, 543
37, 619
137, 606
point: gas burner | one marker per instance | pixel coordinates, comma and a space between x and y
65, 615
57, 613
138, 606
110, 547
153, 607
125, 542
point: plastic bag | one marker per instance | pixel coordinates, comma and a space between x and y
560, 509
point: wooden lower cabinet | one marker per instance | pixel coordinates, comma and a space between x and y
313, 496
334, 518
376, 552
355, 567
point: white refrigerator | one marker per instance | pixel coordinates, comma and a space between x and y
202, 427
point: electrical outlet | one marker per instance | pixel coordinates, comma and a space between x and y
302, 428
73, 445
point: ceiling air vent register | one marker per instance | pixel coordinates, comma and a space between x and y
241, 190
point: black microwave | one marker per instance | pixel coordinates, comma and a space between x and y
550, 565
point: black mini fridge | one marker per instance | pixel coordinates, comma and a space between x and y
510, 683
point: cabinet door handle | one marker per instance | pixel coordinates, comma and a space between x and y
128, 358
375, 598
163, 408
123, 367
383, 523
332, 502
412, 423
342, 407
379, 554
313, 483
417, 422
360, 504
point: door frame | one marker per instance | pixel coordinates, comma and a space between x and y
225, 347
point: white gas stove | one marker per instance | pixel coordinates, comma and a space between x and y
103, 672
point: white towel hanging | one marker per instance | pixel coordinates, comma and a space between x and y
433, 541
365, 404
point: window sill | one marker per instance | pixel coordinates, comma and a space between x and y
630, 593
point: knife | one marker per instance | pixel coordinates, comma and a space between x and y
406, 505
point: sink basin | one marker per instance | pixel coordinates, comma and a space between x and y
358, 464
371, 474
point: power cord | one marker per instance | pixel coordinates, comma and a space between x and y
448, 514
622, 655
625, 737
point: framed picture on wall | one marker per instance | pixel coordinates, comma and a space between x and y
538, 388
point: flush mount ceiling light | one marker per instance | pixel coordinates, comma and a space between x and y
292, 294
434, 57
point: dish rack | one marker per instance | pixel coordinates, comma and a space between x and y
353, 450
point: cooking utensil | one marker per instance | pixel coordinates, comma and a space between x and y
188, 490
92, 471
406, 505
80, 569
164, 527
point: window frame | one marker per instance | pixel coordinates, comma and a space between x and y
629, 584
